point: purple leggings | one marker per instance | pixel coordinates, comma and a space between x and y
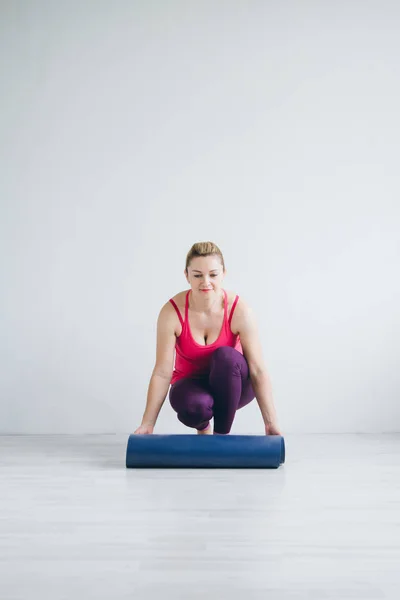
227, 388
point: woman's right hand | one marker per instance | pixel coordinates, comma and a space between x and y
144, 429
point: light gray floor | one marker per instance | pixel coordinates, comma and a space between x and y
74, 523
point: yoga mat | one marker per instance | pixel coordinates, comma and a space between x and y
205, 451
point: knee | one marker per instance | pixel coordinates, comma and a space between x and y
196, 410
194, 413
225, 356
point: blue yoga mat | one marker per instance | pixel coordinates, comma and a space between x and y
205, 451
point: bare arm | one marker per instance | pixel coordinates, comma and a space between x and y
162, 372
252, 350
156, 394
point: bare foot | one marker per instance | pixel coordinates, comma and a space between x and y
206, 431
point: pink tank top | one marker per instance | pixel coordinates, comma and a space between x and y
193, 359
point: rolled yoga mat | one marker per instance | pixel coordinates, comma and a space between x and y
205, 451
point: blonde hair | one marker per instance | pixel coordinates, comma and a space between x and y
204, 249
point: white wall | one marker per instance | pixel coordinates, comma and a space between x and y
131, 130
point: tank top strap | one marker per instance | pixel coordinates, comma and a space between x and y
177, 310
187, 307
232, 309
225, 306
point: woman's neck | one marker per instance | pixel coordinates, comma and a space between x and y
206, 305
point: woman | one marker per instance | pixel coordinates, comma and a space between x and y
219, 366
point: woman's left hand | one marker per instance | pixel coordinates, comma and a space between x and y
272, 429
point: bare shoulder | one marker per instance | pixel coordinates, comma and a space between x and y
179, 298
242, 305
241, 313
169, 314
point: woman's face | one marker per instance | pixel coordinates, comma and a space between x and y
205, 273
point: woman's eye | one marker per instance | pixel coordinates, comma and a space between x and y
214, 275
